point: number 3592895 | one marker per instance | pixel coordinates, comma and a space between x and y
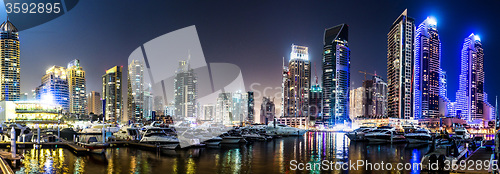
33, 7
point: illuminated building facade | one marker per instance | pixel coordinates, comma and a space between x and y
112, 94
267, 110
427, 70
250, 106
94, 103
400, 58
159, 106
470, 95
224, 108
54, 88
356, 103
297, 84
135, 93
185, 91
315, 100
30, 112
77, 87
336, 75
208, 112
10, 67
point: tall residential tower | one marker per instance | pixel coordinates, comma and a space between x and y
400, 67
10, 67
76, 83
336, 75
112, 94
427, 70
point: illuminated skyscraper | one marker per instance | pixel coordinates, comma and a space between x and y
77, 87
267, 110
336, 75
296, 86
94, 103
470, 95
10, 67
185, 91
400, 67
54, 88
135, 97
112, 94
251, 105
427, 70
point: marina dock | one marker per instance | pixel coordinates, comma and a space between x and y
481, 154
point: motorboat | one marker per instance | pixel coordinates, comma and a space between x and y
215, 141
420, 135
159, 136
97, 128
128, 134
385, 134
359, 133
232, 138
93, 143
276, 129
461, 133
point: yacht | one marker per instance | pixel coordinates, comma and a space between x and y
276, 129
93, 143
461, 133
420, 135
97, 128
385, 134
232, 137
359, 133
128, 134
159, 136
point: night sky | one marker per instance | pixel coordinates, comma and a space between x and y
255, 35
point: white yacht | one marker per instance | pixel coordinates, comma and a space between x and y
359, 133
461, 133
420, 135
283, 130
128, 133
385, 134
158, 135
97, 128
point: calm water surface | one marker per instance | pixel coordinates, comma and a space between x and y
260, 157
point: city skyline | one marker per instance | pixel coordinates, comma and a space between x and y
452, 25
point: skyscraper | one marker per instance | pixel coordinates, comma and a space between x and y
315, 99
94, 103
427, 69
400, 67
54, 88
470, 94
112, 94
135, 97
185, 91
77, 87
336, 75
267, 110
251, 110
296, 86
10, 67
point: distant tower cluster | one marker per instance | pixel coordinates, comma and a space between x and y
267, 110
94, 103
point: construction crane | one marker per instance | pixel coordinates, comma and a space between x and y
364, 72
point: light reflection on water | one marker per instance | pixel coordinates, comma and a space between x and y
260, 157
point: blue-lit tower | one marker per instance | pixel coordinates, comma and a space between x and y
336, 75
470, 94
427, 73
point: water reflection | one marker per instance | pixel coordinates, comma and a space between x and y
260, 157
